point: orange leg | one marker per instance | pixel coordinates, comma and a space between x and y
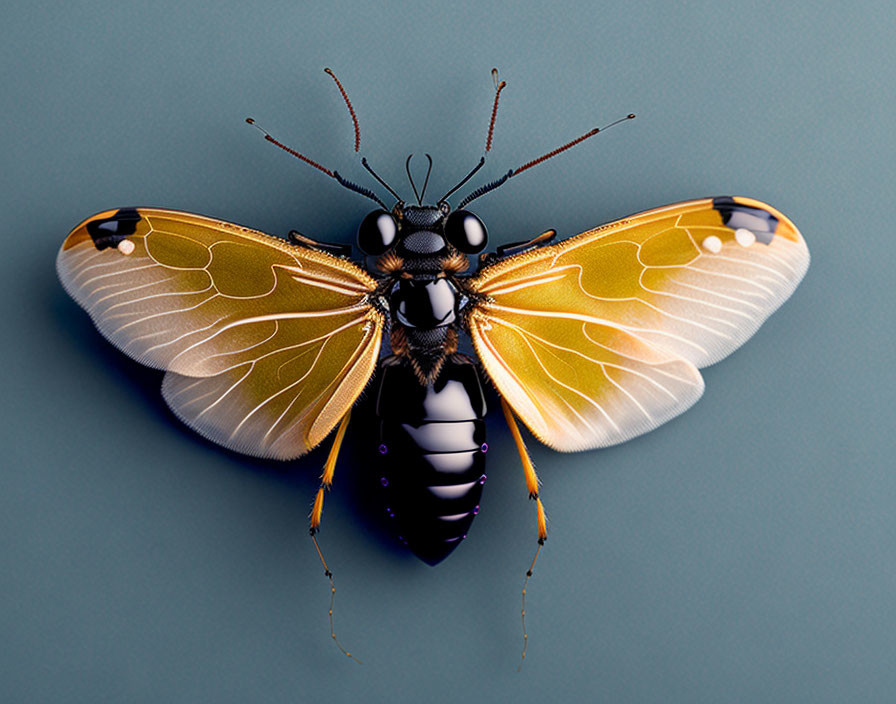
532, 486
326, 477
326, 480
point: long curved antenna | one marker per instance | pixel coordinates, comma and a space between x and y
296, 154
407, 168
482, 190
332, 174
463, 180
367, 193
426, 180
384, 184
348, 184
499, 86
570, 145
351, 110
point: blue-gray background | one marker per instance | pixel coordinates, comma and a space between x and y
744, 552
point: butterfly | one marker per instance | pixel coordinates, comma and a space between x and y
267, 343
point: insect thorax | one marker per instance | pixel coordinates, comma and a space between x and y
424, 297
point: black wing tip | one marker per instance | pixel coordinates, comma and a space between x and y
109, 230
761, 221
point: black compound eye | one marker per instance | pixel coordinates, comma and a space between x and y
377, 233
466, 232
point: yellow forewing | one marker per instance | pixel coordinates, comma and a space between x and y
267, 345
597, 339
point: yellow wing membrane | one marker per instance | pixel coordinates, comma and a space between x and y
598, 339
267, 345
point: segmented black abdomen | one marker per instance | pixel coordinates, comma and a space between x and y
432, 450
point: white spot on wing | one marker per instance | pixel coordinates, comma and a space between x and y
744, 236
712, 244
126, 247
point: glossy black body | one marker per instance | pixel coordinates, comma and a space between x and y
431, 452
430, 405
424, 302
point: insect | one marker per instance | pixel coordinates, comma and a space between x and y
267, 343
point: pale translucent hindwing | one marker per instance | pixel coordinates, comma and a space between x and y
266, 344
